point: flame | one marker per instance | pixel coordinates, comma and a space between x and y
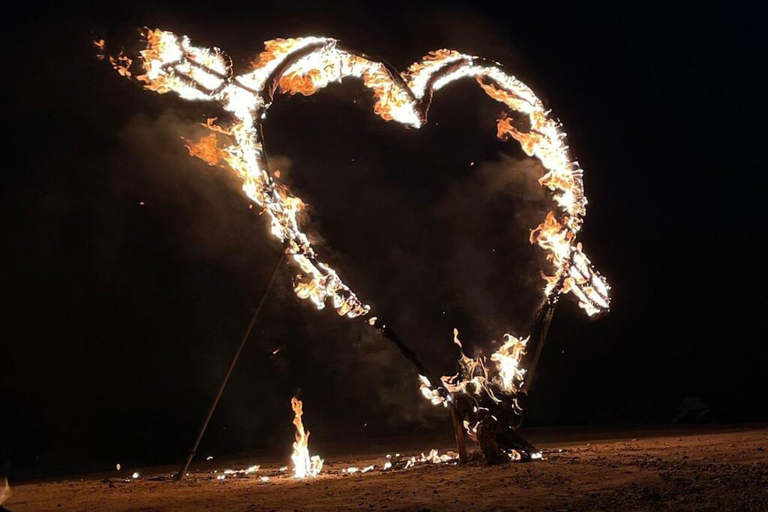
207, 150
303, 465
476, 376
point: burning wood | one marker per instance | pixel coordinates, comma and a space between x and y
487, 395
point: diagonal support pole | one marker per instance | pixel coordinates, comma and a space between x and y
541, 330
190, 456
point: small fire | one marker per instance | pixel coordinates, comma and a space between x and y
433, 457
477, 376
401, 462
239, 473
303, 465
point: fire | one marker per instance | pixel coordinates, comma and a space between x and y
476, 376
171, 63
303, 465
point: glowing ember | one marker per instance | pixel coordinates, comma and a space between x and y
403, 462
352, 470
303, 465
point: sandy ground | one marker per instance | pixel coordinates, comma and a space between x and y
717, 471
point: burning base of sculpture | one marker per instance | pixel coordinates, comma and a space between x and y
487, 396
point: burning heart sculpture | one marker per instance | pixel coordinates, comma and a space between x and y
172, 64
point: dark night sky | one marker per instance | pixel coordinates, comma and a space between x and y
122, 317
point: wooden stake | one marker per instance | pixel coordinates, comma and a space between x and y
458, 432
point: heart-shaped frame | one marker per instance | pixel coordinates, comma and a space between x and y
305, 65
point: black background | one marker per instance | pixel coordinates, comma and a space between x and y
122, 316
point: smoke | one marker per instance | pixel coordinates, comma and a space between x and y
489, 261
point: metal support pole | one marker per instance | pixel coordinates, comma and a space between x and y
185, 464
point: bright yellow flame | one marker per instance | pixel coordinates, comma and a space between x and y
507, 360
303, 465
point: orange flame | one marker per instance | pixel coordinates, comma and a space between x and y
207, 150
303, 465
